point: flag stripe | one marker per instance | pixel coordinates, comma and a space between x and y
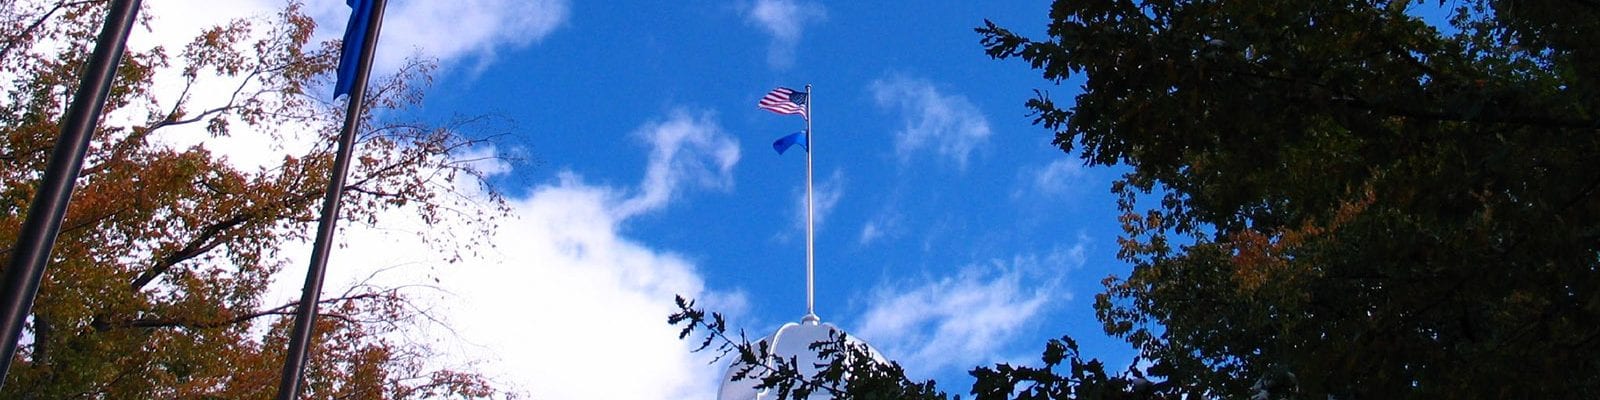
783, 101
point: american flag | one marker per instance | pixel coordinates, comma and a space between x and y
785, 101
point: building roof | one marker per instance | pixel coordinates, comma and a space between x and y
790, 340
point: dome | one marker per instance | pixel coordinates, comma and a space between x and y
791, 340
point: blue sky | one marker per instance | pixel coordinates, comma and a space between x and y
950, 233
935, 192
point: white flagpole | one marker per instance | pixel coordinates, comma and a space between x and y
811, 314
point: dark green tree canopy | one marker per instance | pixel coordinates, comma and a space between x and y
1352, 201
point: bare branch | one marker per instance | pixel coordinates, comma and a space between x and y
286, 309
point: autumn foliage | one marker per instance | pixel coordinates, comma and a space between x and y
155, 287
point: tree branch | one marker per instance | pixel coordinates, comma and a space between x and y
286, 309
19, 37
233, 99
206, 240
196, 246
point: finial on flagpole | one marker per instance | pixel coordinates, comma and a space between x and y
811, 313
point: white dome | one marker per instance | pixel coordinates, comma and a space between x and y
791, 340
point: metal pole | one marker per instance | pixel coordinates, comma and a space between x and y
43, 223
306, 314
811, 313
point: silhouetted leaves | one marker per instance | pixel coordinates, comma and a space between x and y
1335, 198
850, 370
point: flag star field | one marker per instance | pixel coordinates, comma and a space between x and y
950, 231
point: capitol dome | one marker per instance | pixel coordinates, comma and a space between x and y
791, 340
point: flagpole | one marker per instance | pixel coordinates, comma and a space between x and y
811, 314
305, 316
39, 230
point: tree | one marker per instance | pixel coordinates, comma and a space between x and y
850, 370
155, 285
1349, 201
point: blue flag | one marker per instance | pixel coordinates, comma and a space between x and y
355, 37
784, 143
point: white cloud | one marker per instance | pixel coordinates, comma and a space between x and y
870, 233
564, 300
570, 302
960, 320
785, 22
1057, 178
883, 226
684, 147
558, 300
458, 31
450, 31
949, 124
827, 193
176, 22
1069, 257
573, 301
